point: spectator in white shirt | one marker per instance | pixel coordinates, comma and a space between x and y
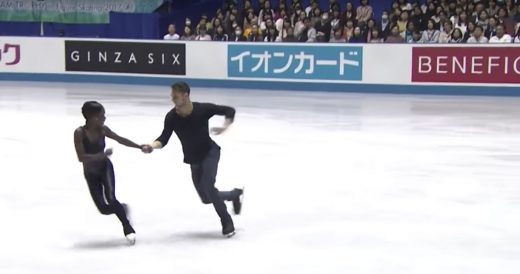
203, 35
478, 36
299, 26
445, 35
430, 35
171, 33
501, 36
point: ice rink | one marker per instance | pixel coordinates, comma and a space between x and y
335, 183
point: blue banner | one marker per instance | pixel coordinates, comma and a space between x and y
296, 62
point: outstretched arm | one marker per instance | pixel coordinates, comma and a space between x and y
227, 112
167, 132
122, 140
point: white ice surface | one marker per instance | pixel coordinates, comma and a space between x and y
336, 183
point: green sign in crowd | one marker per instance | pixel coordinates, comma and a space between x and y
71, 11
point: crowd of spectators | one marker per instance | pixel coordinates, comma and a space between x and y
432, 21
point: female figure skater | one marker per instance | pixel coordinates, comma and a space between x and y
89, 141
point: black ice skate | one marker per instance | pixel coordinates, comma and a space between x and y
237, 202
228, 229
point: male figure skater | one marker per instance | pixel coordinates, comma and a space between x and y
189, 120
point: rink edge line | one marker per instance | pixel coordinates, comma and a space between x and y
270, 85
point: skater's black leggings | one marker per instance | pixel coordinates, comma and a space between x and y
101, 183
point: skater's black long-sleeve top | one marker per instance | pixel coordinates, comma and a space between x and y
193, 131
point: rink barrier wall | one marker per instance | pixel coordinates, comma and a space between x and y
395, 68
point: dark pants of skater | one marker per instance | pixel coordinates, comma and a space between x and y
203, 175
101, 183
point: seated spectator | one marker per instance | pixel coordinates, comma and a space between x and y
282, 31
316, 15
477, 36
248, 5
348, 30
299, 26
249, 20
187, 23
267, 24
403, 22
443, 17
309, 11
220, 35
395, 16
431, 10
338, 37
469, 31
445, 35
385, 24
367, 30
357, 37
456, 37
334, 5
493, 8
501, 36
408, 34
203, 23
404, 5
255, 35
395, 6
203, 35
430, 35
278, 22
375, 37
350, 12
289, 37
364, 12
323, 28
462, 22
395, 36
231, 22
470, 8
271, 35
477, 9
483, 20
506, 21
419, 18
281, 12
216, 23
336, 22
416, 37
437, 18
491, 29
237, 35
171, 33
309, 33
187, 35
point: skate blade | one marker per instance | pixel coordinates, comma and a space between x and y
229, 235
131, 238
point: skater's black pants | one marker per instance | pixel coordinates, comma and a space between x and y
101, 183
203, 175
